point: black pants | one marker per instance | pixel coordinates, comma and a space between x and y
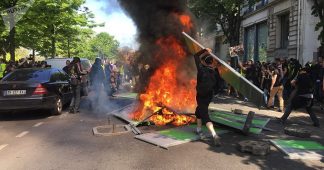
75, 103
300, 102
202, 107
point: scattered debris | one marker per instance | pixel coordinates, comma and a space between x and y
110, 130
254, 147
297, 131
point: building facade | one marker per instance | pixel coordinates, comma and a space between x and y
279, 29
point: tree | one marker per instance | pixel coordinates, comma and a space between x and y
4, 5
226, 14
102, 45
49, 27
318, 11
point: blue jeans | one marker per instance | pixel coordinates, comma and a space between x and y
265, 95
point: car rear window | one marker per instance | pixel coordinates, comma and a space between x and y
29, 75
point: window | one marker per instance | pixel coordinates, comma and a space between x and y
55, 76
284, 30
28, 75
250, 43
262, 38
256, 37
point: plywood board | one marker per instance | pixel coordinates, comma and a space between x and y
299, 149
235, 79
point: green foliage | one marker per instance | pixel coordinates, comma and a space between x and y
55, 28
318, 11
225, 13
102, 45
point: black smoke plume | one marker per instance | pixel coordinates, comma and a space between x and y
156, 19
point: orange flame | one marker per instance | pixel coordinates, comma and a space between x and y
164, 88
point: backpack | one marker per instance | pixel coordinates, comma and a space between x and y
206, 81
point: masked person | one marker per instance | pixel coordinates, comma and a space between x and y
75, 72
206, 82
302, 96
97, 80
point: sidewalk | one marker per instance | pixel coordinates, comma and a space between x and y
299, 118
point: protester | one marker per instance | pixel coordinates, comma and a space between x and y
235, 52
206, 80
108, 70
276, 87
113, 81
302, 97
76, 72
97, 80
265, 83
66, 68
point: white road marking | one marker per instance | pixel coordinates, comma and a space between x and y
22, 134
50, 117
38, 124
3, 146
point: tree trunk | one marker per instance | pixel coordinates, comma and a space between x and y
12, 43
69, 53
53, 42
33, 54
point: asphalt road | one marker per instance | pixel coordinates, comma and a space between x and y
37, 141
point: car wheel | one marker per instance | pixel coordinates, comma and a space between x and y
58, 107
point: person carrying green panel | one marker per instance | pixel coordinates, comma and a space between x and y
206, 83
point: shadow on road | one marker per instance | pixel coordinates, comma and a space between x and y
24, 115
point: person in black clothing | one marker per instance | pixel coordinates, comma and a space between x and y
97, 80
76, 72
206, 82
302, 96
66, 68
276, 87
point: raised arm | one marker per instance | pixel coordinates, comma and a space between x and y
198, 55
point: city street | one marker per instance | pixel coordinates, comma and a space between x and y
36, 140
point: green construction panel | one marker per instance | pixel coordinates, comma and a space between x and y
232, 77
181, 134
233, 124
299, 144
256, 121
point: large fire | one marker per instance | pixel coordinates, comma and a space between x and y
164, 89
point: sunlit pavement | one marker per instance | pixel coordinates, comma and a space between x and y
36, 140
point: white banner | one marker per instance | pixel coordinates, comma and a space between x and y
12, 15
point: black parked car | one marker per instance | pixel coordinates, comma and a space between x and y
60, 63
35, 88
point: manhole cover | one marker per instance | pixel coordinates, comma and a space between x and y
110, 130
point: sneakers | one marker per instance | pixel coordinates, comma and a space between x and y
217, 141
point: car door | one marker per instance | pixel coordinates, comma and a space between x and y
67, 88
55, 85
